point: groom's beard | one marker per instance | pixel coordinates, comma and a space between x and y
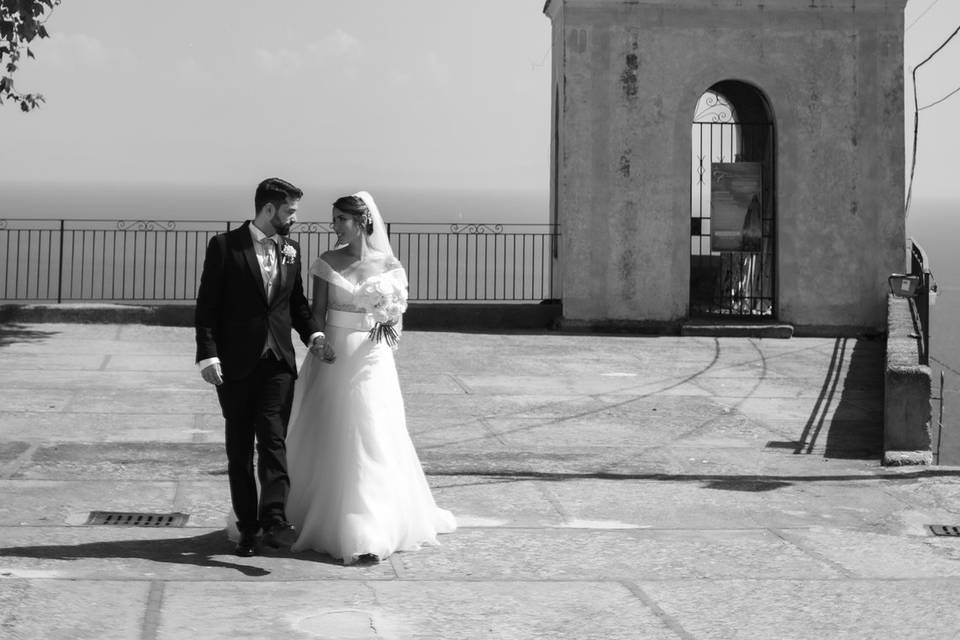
283, 229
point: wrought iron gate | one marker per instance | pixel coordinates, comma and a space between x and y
731, 269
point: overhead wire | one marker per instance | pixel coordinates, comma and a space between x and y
925, 11
916, 116
943, 99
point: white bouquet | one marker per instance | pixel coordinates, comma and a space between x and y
385, 298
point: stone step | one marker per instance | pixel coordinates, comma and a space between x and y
736, 329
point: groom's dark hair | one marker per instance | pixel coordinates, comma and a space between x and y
275, 191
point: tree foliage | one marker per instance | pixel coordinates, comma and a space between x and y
21, 22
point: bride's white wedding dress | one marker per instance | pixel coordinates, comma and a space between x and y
356, 484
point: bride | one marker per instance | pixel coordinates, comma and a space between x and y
357, 490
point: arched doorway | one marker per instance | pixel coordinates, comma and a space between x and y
733, 205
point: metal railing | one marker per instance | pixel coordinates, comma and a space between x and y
920, 267
161, 261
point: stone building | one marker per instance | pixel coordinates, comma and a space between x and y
728, 161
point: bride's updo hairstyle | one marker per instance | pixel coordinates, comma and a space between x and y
355, 206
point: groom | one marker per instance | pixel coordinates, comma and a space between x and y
250, 296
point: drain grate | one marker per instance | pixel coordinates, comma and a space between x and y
126, 519
945, 529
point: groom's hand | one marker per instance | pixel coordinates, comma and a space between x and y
316, 345
328, 355
322, 349
213, 374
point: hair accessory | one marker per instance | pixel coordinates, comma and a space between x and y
377, 238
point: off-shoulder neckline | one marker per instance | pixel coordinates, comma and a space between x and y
359, 283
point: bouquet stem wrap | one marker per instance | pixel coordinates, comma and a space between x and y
383, 331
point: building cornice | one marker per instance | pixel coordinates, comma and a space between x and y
808, 5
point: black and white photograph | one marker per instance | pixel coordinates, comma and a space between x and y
492, 320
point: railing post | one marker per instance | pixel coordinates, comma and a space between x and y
923, 304
60, 267
920, 267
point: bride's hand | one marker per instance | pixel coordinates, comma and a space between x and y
326, 354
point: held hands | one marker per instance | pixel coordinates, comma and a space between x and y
213, 374
322, 349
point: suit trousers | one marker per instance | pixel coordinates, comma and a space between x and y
257, 409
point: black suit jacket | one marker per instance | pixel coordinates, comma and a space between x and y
233, 314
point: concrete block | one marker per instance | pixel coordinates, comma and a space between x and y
906, 458
739, 330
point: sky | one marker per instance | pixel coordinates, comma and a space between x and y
420, 93
928, 24
451, 93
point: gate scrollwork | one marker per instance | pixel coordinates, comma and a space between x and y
145, 225
313, 227
476, 228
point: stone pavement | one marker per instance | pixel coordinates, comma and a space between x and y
606, 487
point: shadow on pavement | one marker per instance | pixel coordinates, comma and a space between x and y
195, 551
854, 431
725, 482
199, 551
12, 333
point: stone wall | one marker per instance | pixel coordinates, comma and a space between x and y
420, 316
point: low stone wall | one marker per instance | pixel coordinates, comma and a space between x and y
174, 315
906, 390
419, 316
481, 317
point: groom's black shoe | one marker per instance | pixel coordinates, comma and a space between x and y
247, 546
280, 534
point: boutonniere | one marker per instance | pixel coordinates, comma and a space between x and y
289, 253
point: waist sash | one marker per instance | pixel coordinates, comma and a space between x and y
350, 320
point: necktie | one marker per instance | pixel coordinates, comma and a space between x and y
269, 245
269, 255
